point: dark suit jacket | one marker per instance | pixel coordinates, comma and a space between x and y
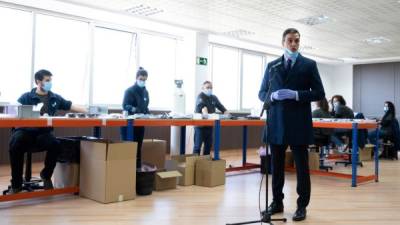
290, 121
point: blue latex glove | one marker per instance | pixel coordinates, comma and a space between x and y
283, 94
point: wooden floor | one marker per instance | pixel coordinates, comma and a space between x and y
333, 201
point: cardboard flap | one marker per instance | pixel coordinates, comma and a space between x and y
94, 150
169, 174
121, 150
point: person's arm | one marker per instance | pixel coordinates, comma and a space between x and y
316, 91
200, 105
129, 102
219, 106
262, 93
78, 109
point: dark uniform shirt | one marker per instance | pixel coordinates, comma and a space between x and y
211, 102
137, 97
343, 112
54, 102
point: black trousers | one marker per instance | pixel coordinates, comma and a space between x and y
203, 134
23, 141
138, 136
300, 155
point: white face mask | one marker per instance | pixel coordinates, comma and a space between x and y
385, 109
207, 92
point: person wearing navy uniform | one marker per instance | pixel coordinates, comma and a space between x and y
290, 84
24, 138
206, 103
136, 101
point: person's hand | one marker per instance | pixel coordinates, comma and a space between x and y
283, 94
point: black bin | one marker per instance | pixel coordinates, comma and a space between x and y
264, 159
145, 177
70, 148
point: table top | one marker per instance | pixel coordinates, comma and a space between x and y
110, 122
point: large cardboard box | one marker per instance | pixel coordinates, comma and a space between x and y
108, 171
66, 175
185, 164
153, 152
210, 173
166, 180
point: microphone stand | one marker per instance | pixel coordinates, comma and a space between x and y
264, 217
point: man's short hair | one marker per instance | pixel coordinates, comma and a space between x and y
39, 75
207, 82
290, 31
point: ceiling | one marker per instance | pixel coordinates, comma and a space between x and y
343, 35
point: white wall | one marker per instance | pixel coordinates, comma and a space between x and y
337, 79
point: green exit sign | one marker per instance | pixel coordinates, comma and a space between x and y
201, 61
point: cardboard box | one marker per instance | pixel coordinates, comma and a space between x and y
185, 164
313, 160
66, 175
166, 180
366, 153
289, 158
210, 173
153, 152
108, 171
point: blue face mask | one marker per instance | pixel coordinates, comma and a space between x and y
385, 109
141, 83
207, 92
290, 54
47, 86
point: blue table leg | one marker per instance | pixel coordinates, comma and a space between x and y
244, 145
376, 155
354, 156
97, 132
217, 137
183, 140
129, 130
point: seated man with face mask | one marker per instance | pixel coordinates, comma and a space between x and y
42, 138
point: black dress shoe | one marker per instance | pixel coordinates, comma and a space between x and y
300, 214
274, 207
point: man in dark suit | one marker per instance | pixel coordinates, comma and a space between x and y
290, 84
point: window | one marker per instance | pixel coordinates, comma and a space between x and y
158, 57
15, 53
252, 75
225, 76
114, 68
62, 48
237, 76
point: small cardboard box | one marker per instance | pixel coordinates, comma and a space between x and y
289, 158
153, 152
108, 171
210, 173
366, 153
166, 180
66, 175
313, 160
185, 164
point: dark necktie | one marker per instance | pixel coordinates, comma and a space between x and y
288, 64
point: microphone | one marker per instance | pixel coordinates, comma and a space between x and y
267, 101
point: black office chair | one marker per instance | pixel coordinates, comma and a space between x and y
322, 143
389, 148
30, 183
